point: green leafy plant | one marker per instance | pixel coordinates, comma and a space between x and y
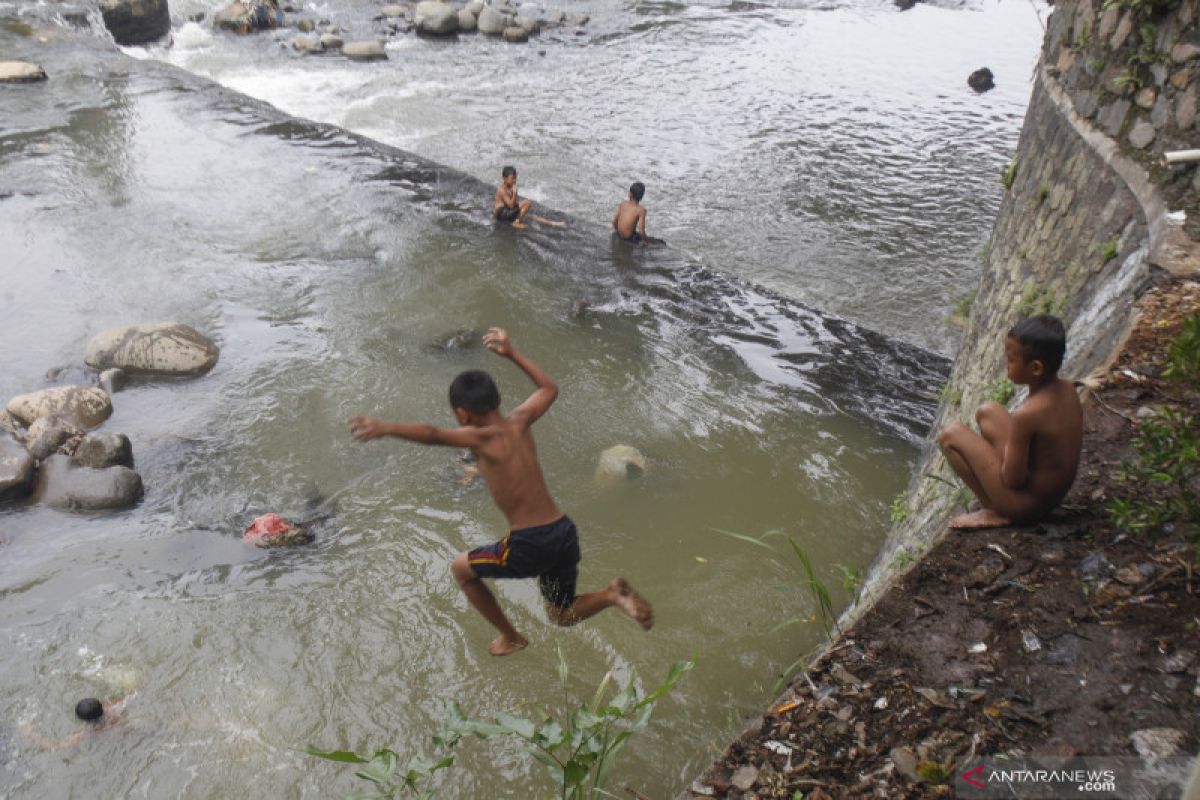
381, 770
1129, 77
1043, 192
1000, 390
900, 507
1167, 464
901, 560
1084, 37
1036, 300
852, 581
578, 750
962, 307
817, 591
1108, 250
1008, 173
1183, 356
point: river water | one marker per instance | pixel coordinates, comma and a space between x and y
334, 270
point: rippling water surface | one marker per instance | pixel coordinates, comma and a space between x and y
333, 271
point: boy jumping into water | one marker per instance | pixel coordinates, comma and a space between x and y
631, 216
542, 541
509, 207
1023, 463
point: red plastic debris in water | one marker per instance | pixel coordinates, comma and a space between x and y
265, 527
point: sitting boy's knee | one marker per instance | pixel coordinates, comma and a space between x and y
460, 568
948, 434
988, 409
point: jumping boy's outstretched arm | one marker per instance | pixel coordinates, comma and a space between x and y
538, 403
367, 428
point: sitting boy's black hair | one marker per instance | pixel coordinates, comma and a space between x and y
504, 173
637, 190
1043, 338
475, 391
89, 709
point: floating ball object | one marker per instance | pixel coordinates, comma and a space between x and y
272, 530
621, 461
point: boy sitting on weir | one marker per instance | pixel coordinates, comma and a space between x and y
1020, 465
542, 541
631, 216
509, 207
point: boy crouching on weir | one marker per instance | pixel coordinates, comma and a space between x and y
1021, 465
542, 542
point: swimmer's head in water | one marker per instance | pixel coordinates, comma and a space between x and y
89, 709
474, 392
1042, 338
507, 171
637, 190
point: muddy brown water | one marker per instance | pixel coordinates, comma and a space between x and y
333, 271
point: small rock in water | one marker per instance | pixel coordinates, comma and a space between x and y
136, 21
331, 41
272, 530
100, 450
48, 435
306, 26
16, 468
64, 484
21, 72
981, 80
113, 380
515, 35
307, 44
370, 50
87, 406
1030, 641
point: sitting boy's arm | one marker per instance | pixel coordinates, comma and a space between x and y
538, 403
1014, 468
365, 429
642, 222
499, 200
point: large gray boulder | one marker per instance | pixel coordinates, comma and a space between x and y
466, 20
136, 21
436, 18
492, 22
16, 468
370, 50
100, 450
516, 34
161, 348
20, 72
474, 6
64, 484
86, 406
48, 435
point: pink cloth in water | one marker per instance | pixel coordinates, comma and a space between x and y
265, 527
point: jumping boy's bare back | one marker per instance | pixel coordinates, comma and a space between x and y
1021, 465
542, 540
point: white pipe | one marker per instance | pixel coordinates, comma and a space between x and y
1180, 156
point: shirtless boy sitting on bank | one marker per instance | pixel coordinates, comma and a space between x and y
542, 541
1023, 463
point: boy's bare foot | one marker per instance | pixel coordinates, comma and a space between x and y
502, 646
516, 223
979, 520
633, 603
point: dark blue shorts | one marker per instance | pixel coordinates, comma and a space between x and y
549, 553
